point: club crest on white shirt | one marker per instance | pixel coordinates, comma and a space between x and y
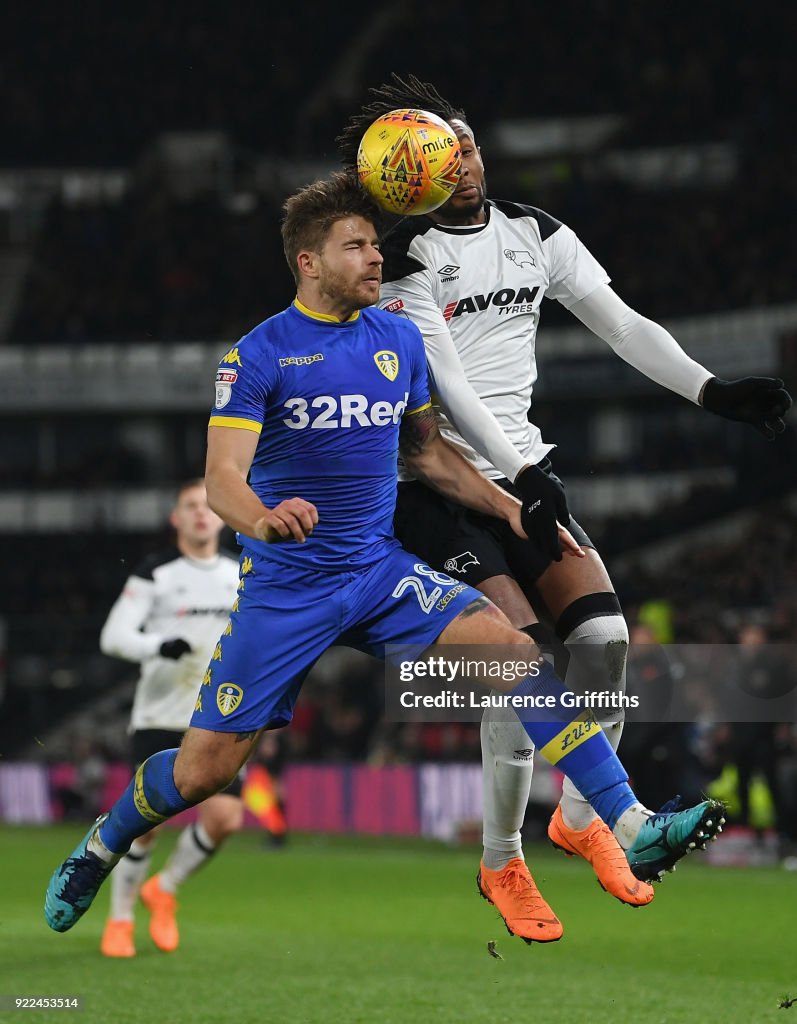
520, 257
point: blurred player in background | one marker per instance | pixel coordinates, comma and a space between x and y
472, 276
316, 401
169, 617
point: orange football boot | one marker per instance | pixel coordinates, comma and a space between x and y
517, 899
117, 939
597, 845
163, 907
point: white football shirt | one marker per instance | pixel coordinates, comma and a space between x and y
170, 596
484, 284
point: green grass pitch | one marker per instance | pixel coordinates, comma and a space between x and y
348, 930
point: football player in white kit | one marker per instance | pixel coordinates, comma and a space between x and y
169, 617
472, 276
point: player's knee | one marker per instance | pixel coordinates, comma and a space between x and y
595, 633
197, 782
232, 820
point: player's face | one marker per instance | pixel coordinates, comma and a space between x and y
466, 205
193, 519
350, 265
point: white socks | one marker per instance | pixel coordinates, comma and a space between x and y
629, 823
193, 849
507, 763
127, 878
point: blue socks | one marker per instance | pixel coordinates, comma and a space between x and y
150, 798
573, 741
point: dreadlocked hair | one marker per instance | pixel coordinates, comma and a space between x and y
399, 93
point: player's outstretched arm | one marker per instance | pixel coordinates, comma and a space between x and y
649, 348
229, 456
439, 465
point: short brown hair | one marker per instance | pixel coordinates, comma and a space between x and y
188, 485
310, 213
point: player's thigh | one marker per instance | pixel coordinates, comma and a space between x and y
564, 582
507, 595
482, 623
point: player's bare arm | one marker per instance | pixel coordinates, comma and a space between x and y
438, 464
229, 456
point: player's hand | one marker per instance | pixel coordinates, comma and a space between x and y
569, 544
543, 503
761, 401
294, 519
174, 649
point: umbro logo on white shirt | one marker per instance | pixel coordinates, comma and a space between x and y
449, 272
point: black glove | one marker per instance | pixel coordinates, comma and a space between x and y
175, 649
544, 503
762, 401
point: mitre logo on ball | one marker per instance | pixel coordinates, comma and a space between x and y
409, 161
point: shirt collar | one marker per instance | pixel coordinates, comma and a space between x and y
327, 318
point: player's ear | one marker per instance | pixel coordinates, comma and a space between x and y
307, 262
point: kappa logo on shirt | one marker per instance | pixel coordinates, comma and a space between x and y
232, 357
302, 360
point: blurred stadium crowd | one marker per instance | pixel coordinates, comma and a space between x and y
687, 199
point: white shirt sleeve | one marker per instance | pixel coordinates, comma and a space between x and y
646, 345
121, 636
415, 297
573, 270
468, 414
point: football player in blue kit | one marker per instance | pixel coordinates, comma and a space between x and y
312, 408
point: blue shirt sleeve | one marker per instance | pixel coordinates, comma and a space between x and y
243, 385
419, 374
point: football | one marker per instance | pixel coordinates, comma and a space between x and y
409, 161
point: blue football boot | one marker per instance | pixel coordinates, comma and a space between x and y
670, 834
75, 883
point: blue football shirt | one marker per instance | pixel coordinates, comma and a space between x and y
326, 398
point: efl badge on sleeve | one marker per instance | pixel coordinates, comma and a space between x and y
224, 382
388, 363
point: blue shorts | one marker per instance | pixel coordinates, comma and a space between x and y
284, 620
